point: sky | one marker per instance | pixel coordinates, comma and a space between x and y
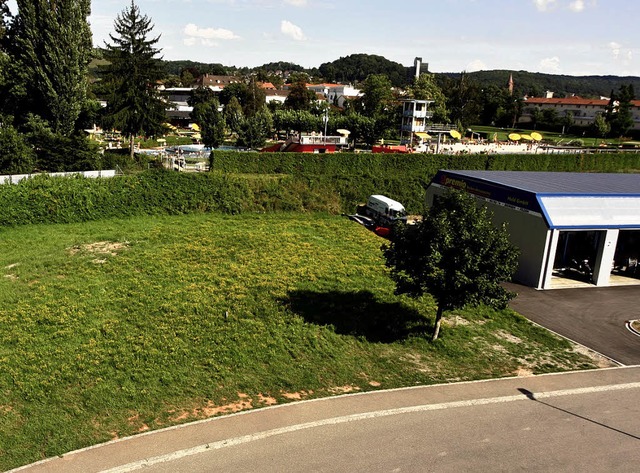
573, 37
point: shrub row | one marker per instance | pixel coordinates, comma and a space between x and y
425, 165
45, 199
267, 182
354, 176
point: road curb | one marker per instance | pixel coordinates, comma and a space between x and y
629, 325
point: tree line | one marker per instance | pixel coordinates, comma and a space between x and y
48, 95
45, 101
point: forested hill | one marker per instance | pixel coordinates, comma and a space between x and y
357, 67
535, 84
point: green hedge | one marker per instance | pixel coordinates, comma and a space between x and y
268, 182
46, 199
404, 177
62, 200
424, 164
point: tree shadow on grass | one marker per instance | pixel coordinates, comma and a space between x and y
358, 314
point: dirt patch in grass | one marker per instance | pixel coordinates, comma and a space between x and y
504, 335
109, 248
600, 360
297, 396
454, 320
344, 389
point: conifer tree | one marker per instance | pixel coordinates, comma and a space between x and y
134, 106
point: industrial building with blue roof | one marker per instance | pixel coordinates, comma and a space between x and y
565, 224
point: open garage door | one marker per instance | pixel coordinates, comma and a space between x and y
627, 256
576, 254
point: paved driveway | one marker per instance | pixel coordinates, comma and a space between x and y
580, 421
594, 317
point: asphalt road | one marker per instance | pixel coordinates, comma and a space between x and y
594, 317
582, 421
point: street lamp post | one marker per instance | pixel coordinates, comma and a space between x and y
326, 121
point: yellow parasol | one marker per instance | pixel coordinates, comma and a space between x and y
527, 137
194, 127
455, 134
342, 131
514, 136
536, 136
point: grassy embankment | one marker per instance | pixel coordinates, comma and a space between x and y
114, 327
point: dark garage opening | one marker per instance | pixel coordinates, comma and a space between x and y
576, 254
627, 255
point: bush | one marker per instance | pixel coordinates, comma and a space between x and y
16, 156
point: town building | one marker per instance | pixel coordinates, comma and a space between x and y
336, 94
216, 83
583, 111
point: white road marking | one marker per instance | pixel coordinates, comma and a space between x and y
357, 417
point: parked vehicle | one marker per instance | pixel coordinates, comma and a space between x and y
383, 210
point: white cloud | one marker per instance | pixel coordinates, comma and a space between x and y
296, 3
476, 65
289, 29
544, 5
577, 6
615, 49
550, 64
194, 31
206, 36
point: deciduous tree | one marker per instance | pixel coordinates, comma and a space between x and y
376, 95
299, 98
49, 49
209, 118
455, 254
425, 88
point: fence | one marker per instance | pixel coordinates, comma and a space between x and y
15, 178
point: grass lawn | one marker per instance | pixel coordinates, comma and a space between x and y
548, 136
114, 327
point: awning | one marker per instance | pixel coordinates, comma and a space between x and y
422, 135
591, 212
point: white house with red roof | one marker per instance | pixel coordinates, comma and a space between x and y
335, 94
584, 111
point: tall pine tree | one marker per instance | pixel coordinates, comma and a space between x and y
134, 105
49, 46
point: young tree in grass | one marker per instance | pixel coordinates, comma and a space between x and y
134, 106
455, 254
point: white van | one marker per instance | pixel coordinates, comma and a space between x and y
384, 210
